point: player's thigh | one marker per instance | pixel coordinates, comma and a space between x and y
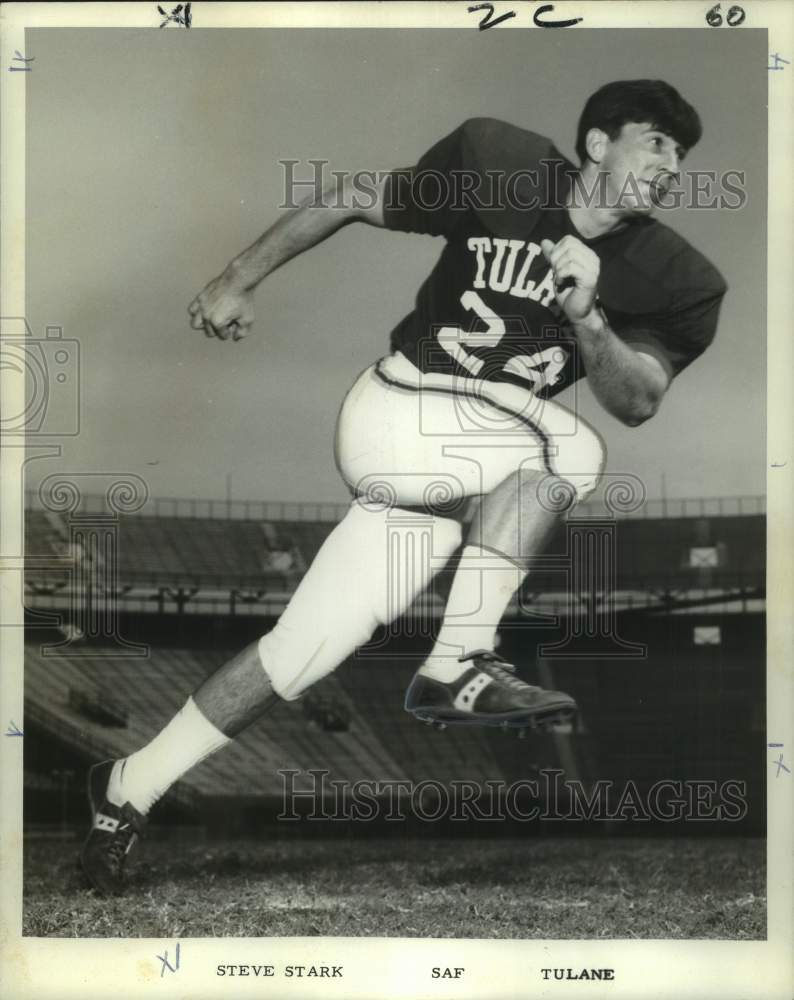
443, 438
383, 451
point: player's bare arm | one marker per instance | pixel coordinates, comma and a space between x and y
225, 307
630, 385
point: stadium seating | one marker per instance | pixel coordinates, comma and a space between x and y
217, 552
47, 545
685, 711
194, 547
663, 548
153, 689
45, 534
306, 536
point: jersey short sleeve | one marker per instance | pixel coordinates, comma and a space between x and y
417, 200
663, 298
503, 173
678, 339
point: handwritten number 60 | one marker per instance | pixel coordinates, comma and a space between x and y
733, 18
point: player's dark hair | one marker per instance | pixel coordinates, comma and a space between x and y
653, 101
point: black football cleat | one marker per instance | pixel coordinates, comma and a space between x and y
114, 831
487, 694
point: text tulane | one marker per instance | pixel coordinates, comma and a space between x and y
569, 974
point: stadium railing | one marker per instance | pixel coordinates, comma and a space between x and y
316, 511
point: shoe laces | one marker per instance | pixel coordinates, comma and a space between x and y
500, 669
117, 851
122, 841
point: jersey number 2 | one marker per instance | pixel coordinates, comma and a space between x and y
540, 370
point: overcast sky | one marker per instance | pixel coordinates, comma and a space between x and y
152, 159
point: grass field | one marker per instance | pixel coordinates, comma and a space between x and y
567, 888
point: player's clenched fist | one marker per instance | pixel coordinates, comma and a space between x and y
223, 309
576, 269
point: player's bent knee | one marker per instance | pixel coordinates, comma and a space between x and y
581, 461
352, 590
294, 662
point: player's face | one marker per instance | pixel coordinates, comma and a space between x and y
640, 164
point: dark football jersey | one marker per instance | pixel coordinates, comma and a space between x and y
495, 191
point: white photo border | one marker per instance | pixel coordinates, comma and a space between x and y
33, 967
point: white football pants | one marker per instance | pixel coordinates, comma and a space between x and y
408, 439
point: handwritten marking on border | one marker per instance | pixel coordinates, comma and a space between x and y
166, 964
177, 16
18, 57
489, 21
779, 762
735, 16
547, 8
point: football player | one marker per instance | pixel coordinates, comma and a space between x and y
549, 273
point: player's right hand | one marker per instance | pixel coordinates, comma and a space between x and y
223, 309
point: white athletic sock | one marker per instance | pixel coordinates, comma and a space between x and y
148, 774
475, 607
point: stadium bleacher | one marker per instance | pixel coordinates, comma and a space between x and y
45, 533
154, 688
250, 563
686, 709
187, 547
176, 549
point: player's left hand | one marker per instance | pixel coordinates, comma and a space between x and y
223, 309
576, 270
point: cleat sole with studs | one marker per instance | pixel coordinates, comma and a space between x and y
518, 724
